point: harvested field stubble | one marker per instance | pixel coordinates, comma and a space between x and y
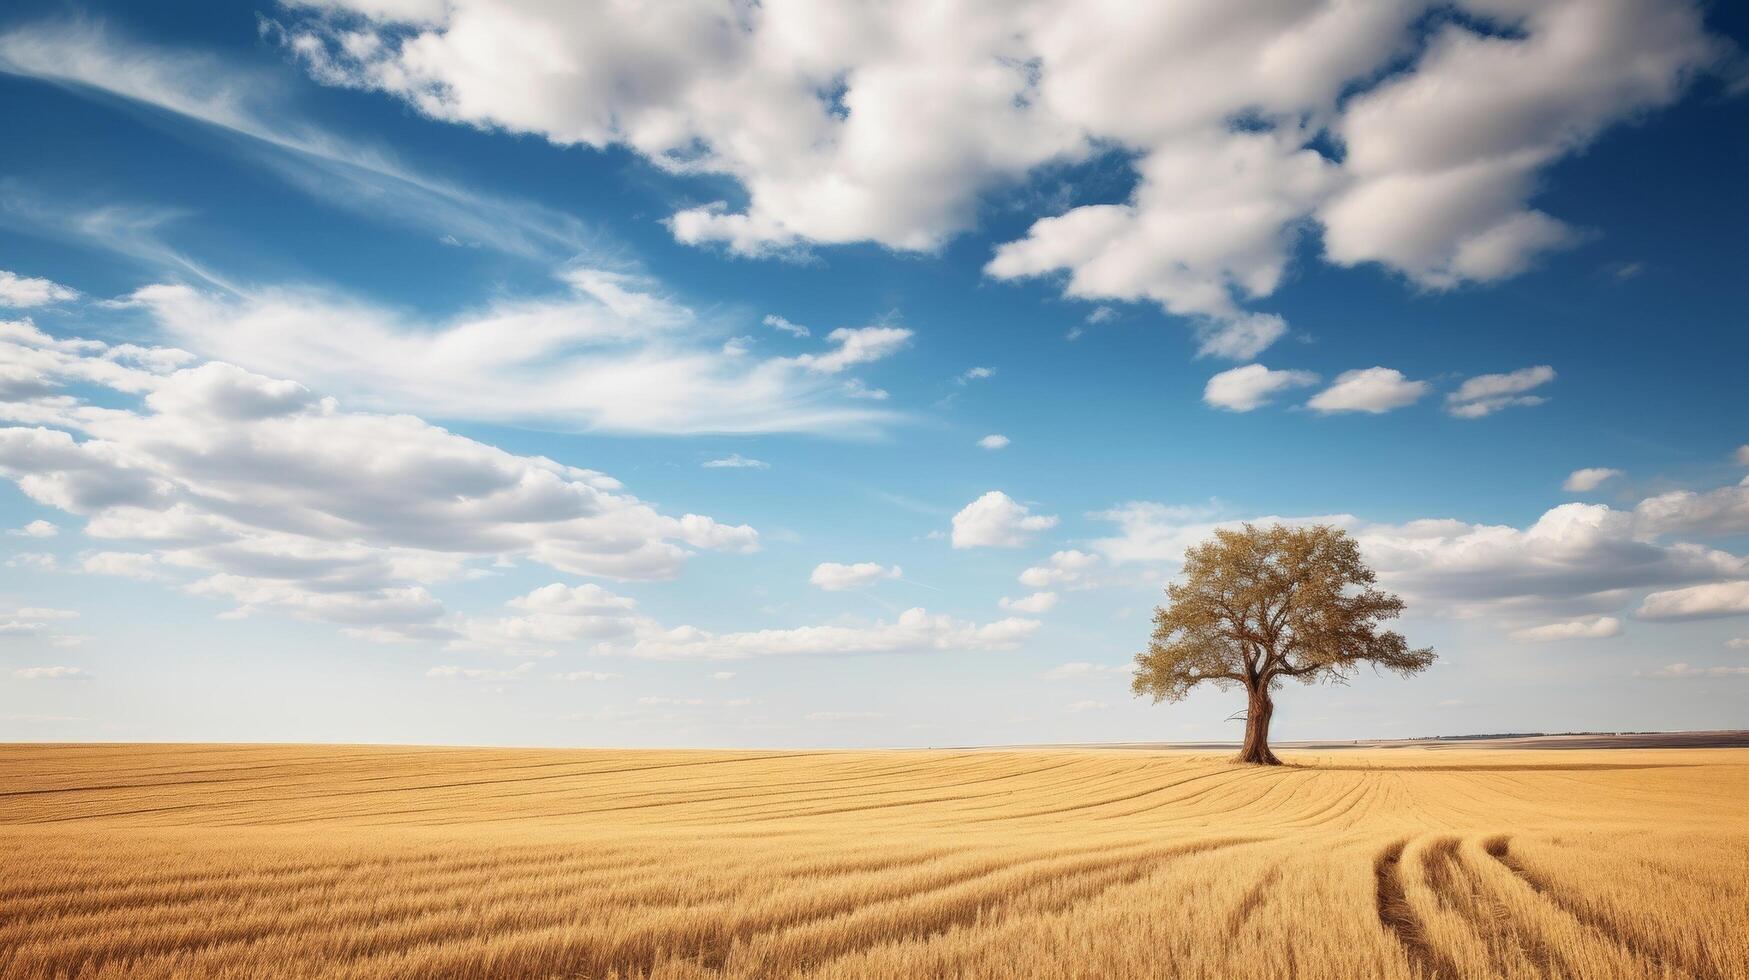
291, 861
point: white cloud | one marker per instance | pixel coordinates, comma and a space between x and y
43, 613
723, 675
259, 491
834, 577
590, 619
82, 55
1588, 479
995, 520
587, 675
1742, 455
127, 564
993, 441
1081, 670
609, 353
453, 672
1442, 159
1576, 559
1486, 394
976, 374
855, 345
1251, 186
550, 617
1698, 602
1242, 389
1578, 629
776, 322
23, 291
840, 122
40, 560
915, 630
1086, 705
1680, 670
1374, 390
38, 622
51, 673
1032, 605
735, 461
35, 529
856, 388
1100, 314
1724, 510
1070, 569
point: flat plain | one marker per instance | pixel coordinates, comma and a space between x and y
380, 861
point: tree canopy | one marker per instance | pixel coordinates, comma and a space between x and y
1260, 604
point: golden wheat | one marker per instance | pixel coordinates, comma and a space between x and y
284, 861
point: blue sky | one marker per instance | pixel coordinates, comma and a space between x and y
823, 375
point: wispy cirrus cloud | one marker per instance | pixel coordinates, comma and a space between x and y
611, 352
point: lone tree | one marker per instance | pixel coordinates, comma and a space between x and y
1261, 604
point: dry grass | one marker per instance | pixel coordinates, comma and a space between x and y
242, 861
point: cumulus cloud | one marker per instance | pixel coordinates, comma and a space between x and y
1242, 389
735, 461
976, 374
1598, 628
1486, 394
23, 291
1252, 186
1742, 455
1698, 602
259, 491
995, 520
1588, 479
834, 577
1724, 510
842, 123
1069, 569
35, 529
994, 440
1374, 390
1032, 605
1575, 560
551, 618
1442, 159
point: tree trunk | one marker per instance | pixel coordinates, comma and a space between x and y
1256, 748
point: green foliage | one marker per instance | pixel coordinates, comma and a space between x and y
1257, 605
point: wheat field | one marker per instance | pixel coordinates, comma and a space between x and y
297, 861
